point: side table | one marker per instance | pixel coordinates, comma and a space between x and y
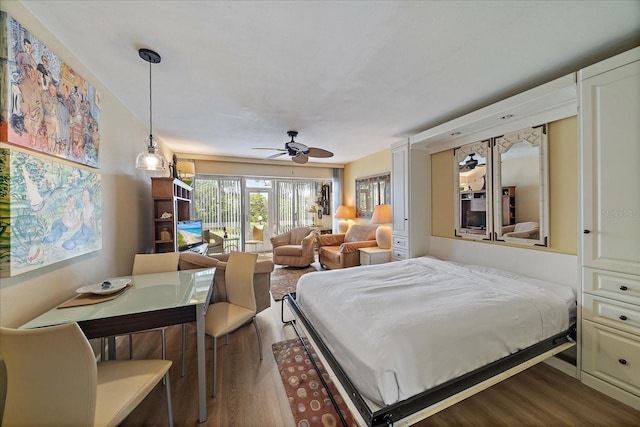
374, 255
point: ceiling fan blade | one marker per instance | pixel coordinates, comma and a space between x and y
265, 148
273, 156
300, 158
318, 152
296, 146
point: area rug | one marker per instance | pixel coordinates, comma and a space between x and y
285, 279
310, 403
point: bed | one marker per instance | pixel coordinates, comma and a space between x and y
403, 336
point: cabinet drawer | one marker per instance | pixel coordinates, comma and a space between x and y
611, 355
399, 242
398, 254
620, 286
612, 313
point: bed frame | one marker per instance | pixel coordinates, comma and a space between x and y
429, 402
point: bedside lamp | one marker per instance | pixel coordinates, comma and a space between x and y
382, 216
344, 213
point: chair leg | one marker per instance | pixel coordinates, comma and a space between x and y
169, 406
130, 346
226, 339
215, 355
164, 350
255, 323
184, 345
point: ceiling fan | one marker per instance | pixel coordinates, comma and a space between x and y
298, 152
470, 164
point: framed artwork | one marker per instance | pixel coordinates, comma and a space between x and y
372, 191
49, 211
47, 105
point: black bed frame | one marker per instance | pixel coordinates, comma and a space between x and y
397, 411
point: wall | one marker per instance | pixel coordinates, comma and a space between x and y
563, 189
373, 164
126, 195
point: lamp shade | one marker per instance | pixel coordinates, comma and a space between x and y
345, 212
186, 169
381, 214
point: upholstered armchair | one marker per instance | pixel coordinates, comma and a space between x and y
341, 250
295, 248
214, 242
261, 276
522, 230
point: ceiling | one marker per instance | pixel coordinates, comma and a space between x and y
351, 77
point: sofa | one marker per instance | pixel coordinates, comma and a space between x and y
261, 277
341, 250
295, 248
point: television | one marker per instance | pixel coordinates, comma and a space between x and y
189, 234
476, 220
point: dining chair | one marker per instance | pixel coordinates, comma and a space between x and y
225, 317
148, 264
53, 379
257, 237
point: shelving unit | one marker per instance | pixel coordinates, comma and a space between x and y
171, 203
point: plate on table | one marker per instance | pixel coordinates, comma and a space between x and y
104, 288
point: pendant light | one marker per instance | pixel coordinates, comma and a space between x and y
150, 159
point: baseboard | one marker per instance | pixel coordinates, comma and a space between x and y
611, 391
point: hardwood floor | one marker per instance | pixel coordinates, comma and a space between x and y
250, 391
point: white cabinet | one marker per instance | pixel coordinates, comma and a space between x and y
610, 220
410, 201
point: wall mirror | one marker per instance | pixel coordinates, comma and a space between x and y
472, 176
521, 187
372, 191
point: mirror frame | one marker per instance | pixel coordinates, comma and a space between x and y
491, 149
536, 136
481, 148
363, 186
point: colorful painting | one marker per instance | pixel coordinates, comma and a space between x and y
49, 211
46, 105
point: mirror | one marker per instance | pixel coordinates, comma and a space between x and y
521, 186
473, 184
370, 192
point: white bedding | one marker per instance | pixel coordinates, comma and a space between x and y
400, 328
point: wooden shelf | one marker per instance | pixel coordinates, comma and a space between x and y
170, 196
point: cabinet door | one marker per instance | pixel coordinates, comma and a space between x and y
610, 136
399, 183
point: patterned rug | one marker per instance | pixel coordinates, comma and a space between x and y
310, 404
285, 279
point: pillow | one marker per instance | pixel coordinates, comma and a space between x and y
191, 260
360, 233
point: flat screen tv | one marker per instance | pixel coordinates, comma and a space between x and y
477, 220
189, 234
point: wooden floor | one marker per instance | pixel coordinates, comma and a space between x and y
250, 391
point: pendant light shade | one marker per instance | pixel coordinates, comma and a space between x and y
150, 159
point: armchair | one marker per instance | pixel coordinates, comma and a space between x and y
341, 250
522, 230
295, 248
215, 244
261, 276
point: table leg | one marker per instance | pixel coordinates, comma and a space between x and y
111, 344
202, 380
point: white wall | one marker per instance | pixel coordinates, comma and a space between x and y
126, 204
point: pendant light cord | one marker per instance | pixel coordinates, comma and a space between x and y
150, 110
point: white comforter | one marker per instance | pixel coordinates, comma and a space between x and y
400, 328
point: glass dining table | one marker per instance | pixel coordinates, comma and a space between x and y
152, 301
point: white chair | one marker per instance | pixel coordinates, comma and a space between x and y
257, 237
240, 307
53, 379
148, 264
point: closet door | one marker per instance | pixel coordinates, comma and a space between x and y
610, 132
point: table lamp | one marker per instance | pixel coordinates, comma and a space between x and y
382, 216
344, 213
186, 171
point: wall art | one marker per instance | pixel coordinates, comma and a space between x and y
46, 105
49, 211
